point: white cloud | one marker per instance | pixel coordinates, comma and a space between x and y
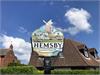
22, 49
63, 30
22, 29
78, 18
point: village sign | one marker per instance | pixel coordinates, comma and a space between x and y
47, 40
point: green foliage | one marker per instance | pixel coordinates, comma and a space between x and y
32, 70
40, 72
19, 70
75, 72
16, 64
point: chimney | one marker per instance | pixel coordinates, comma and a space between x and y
11, 47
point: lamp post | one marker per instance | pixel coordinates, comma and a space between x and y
47, 65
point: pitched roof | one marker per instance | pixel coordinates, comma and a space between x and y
35, 59
72, 56
92, 50
87, 61
3, 51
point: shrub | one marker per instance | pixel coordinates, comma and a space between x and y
40, 72
16, 64
75, 72
19, 70
31, 70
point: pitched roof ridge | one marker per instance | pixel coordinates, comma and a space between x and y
4, 51
4, 48
78, 52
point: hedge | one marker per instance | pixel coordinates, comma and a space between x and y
18, 70
16, 64
75, 71
32, 70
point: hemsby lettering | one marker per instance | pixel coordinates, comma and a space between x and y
47, 45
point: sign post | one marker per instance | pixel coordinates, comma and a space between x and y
47, 65
47, 41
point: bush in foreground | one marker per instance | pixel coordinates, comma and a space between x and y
19, 70
16, 64
32, 70
75, 72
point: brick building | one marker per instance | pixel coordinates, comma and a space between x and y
7, 56
75, 55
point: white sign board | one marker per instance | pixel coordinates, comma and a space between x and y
47, 40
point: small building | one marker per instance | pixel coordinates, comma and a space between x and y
75, 55
7, 56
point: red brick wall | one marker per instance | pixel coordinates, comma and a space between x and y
9, 58
6, 60
2, 61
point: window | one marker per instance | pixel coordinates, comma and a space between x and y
2, 56
84, 51
94, 54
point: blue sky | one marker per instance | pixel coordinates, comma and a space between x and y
21, 18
